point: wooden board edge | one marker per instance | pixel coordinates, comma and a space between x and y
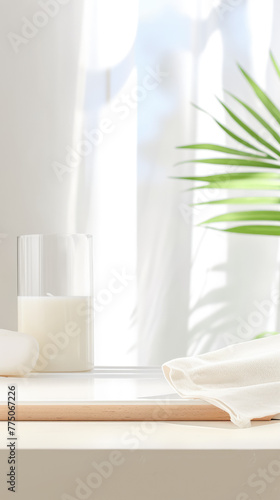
117, 413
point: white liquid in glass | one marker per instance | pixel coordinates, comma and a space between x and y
63, 327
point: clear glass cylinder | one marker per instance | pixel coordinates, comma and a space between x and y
55, 299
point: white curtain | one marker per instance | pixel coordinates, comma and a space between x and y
93, 105
205, 289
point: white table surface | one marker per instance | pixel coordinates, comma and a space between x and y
115, 385
160, 460
151, 436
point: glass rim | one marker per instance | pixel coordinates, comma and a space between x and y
53, 235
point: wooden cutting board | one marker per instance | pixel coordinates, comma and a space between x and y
105, 394
117, 412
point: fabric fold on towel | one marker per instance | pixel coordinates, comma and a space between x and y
241, 379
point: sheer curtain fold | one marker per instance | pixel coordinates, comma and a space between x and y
38, 90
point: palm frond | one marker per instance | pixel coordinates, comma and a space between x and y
249, 130
217, 178
234, 162
265, 334
256, 215
222, 149
231, 134
257, 117
259, 230
275, 64
270, 106
242, 200
262, 155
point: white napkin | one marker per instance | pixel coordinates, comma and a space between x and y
241, 379
19, 353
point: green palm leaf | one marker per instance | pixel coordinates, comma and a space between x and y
261, 230
257, 158
265, 334
275, 64
222, 149
257, 117
270, 106
232, 176
254, 184
249, 130
249, 200
232, 134
235, 162
257, 215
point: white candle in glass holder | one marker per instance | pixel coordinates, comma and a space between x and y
55, 299
63, 328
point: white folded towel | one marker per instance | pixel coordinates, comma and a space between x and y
241, 379
19, 353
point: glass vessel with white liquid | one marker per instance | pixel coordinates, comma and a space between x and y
55, 299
